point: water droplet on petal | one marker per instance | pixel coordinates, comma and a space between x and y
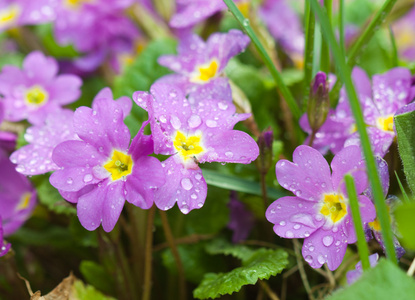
175, 122
194, 121
229, 154
185, 209
87, 178
321, 259
328, 240
198, 176
282, 223
186, 184
211, 123
308, 259
69, 180
289, 234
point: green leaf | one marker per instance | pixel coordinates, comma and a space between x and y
45, 32
406, 145
384, 282
141, 74
50, 197
404, 216
261, 265
238, 184
97, 276
80, 291
221, 246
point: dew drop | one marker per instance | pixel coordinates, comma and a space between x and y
311, 248
198, 176
87, 178
308, 259
229, 154
328, 240
289, 234
297, 226
211, 123
193, 196
194, 121
185, 209
69, 180
282, 223
200, 204
222, 105
175, 122
321, 259
186, 184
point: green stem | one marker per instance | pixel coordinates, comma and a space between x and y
148, 254
308, 55
344, 72
244, 22
341, 27
394, 55
404, 195
357, 221
325, 49
359, 44
176, 255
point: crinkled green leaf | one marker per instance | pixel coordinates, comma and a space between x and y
80, 291
96, 275
406, 145
384, 282
221, 246
261, 265
404, 216
50, 197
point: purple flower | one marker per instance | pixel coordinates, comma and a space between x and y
4, 247
102, 170
191, 12
25, 12
99, 29
319, 212
354, 275
192, 134
17, 196
380, 101
7, 139
241, 220
285, 26
199, 64
404, 30
36, 90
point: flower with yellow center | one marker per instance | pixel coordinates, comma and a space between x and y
334, 207
385, 123
204, 73
120, 165
36, 96
187, 147
24, 201
9, 15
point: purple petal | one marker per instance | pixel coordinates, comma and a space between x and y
384, 177
349, 160
74, 196
36, 65
90, 208
124, 102
380, 140
217, 88
325, 246
187, 187
113, 204
293, 217
308, 177
195, 12
65, 89
231, 146
241, 220
141, 145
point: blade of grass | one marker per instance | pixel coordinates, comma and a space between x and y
357, 221
341, 27
308, 55
345, 74
237, 184
361, 42
325, 49
244, 22
394, 54
404, 194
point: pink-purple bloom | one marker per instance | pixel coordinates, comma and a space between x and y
102, 170
380, 101
320, 212
355, 274
15, 13
36, 90
17, 196
192, 134
404, 31
199, 65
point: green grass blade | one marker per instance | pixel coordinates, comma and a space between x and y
404, 194
325, 49
229, 182
345, 74
394, 54
244, 22
357, 221
308, 55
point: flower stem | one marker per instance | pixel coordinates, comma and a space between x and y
176, 255
308, 54
301, 269
244, 22
357, 221
345, 74
325, 49
341, 27
148, 254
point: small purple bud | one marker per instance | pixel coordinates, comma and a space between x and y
265, 141
319, 102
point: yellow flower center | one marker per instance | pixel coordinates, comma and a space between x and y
244, 7
334, 207
24, 201
75, 4
187, 147
205, 72
385, 123
9, 14
36, 96
119, 165
404, 36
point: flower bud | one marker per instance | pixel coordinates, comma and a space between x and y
319, 103
265, 141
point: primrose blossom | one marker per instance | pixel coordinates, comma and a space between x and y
199, 65
404, 31
320, 211
192, 134
380, 101
36, 90
355, 274
102, 170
